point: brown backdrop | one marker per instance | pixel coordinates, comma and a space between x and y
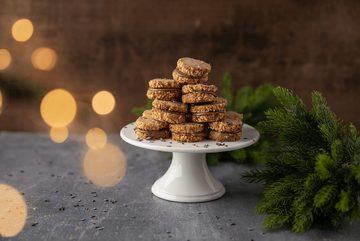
120, 45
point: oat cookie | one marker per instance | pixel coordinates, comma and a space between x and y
163, 94
185, 137
219, 104
224, 136
184, 79
164, 84
147, 134
193, 67
208, 116
169, 105
231, 123
150, 124
164, 89
189, 127
198, 97
199, 88
169, 117
147, 113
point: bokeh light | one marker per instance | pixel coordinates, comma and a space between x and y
96, 138
103, 102
13, 211
105, 167
58, 108
22, 30
59, 134
44, 59
5, 59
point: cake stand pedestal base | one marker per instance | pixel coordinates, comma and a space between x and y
188, 179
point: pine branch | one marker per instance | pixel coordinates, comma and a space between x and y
314, 173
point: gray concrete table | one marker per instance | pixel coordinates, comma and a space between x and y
50, 175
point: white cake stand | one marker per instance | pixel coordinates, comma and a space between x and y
188, 178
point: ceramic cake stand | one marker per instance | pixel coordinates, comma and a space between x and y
188, 178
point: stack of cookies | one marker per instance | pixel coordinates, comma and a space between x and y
187, 109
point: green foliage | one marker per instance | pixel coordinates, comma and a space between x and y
252, 103
137, 111
313, 176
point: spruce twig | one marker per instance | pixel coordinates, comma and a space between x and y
314, 174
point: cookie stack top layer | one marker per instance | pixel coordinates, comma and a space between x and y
193, 67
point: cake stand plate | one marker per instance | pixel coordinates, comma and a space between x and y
188, 178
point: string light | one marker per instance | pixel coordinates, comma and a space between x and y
58, 108
22, 30
103, 102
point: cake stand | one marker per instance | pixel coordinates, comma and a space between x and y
188, 178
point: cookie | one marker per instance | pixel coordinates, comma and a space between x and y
147, 134
185, 79
231, 123
189, 127
194, 137
219, 104
198, 93
207, 116
187, 132
194, 98
169, 117
147, 113
164, 84
193, 67
164, 89
224, 136
169, 105
150, 124
199, 88
148, 128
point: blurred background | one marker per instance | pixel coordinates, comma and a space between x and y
101, 54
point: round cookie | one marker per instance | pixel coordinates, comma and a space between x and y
163, 94
232, 123
199, 88
147, 113
184, 79
218, 105
147, 134
164, 89
185, 137
207, 117
159, 83
169, 105
193, 67
169, 117
189, 127
224, 136
198, 97
150, 124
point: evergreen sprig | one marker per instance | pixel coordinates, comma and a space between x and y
313, 176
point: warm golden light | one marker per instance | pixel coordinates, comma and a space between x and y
105, 167
22, 30
5, 59
103, 102
13, 211
58, 108
96, 138
44, 59
59, 134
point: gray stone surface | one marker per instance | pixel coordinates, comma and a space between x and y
42, 170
